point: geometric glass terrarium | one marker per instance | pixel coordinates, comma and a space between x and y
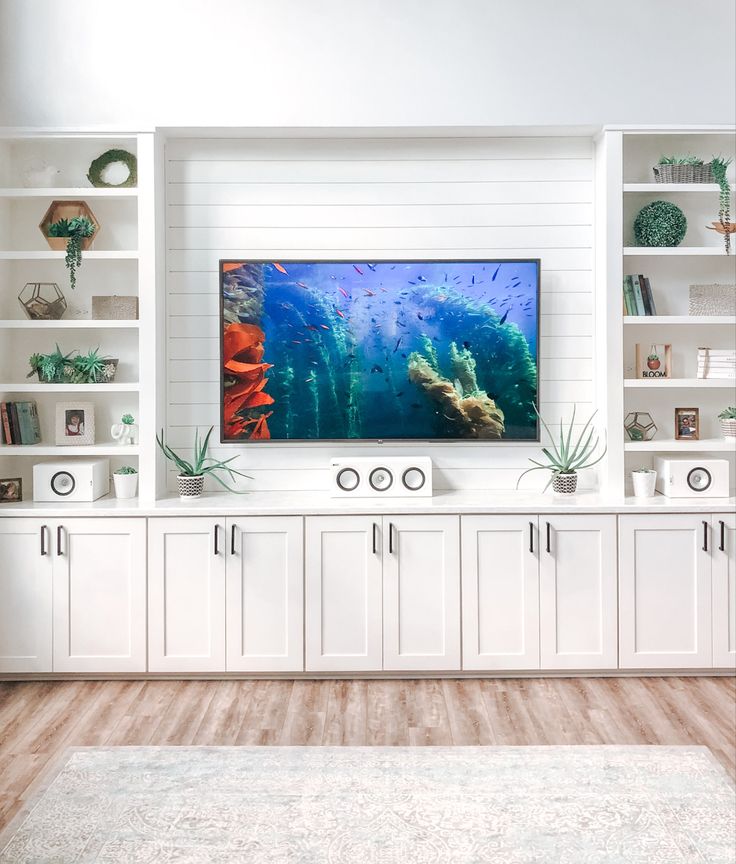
639, 426
43, 301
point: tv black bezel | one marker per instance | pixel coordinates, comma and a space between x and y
377, 441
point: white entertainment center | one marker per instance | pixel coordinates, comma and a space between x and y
286, 580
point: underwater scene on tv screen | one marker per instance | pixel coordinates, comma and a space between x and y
379, 350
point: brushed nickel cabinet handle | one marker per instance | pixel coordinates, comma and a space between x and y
531, 537
44, 529
375, 545
232, 539
722, 544
217, 538
59, 529
391, 538
705, 536
549, 538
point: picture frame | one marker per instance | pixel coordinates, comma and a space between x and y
11, 489
653, 361
687, 424
75, 424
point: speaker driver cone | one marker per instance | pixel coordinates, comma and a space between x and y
63, 483
413, 479
381, 479
347, 479
699, 479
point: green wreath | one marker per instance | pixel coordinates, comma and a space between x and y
108, 158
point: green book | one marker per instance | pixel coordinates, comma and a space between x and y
28, 431
629, 301
638, 299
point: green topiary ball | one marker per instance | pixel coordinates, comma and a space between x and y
660, 224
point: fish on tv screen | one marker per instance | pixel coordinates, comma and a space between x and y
380, 350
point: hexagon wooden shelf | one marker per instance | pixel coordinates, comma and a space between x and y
67, 210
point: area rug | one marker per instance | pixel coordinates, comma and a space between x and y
370, 805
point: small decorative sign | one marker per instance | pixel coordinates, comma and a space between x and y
653, 362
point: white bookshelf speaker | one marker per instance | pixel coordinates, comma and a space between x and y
692, 478
382, 477
71, 480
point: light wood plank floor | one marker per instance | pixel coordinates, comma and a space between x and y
38, 720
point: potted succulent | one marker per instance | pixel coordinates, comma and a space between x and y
644, 480
125, 480
567, 456
73, 368
124, 432
191, 474
728, 422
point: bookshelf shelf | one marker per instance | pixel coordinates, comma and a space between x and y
675, 251
722, 320
682, 383
70, 324
69, 192
25, 387
52, 450
671, 445
710, 188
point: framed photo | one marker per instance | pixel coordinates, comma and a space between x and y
75, 423
687, 424
653, 361
11, 489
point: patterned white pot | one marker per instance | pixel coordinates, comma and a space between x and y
644, 483
190, 487
565, 484
728, 428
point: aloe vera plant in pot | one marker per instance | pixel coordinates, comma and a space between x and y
567, 456
191, 474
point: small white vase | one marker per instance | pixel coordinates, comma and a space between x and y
126, 485
644, 483
124, 433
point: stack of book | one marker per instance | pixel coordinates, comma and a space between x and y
19, 423
716, 363
638, 297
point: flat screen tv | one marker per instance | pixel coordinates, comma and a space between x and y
379, 350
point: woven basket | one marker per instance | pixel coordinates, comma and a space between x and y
683, 173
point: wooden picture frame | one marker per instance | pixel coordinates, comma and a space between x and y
653, 361
11, 489
687, 424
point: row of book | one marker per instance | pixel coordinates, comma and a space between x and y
19, 423
638, 297
716, 363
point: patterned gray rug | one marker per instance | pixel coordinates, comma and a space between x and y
440, 805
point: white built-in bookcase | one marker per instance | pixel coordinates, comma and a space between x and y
624, 184
120, 261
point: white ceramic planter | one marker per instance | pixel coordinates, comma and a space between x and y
644, 482
190, 487
126, 485
728, 428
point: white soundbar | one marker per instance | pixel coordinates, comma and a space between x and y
382, 477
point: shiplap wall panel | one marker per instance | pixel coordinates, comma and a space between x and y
378, 198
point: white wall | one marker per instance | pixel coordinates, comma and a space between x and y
442, 198
366, 62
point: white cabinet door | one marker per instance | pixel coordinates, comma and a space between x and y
265, 596
343, 594
421, 593
664, 591
724, 590
500, 596
100, 595
578, 592
186, 595
25, 596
